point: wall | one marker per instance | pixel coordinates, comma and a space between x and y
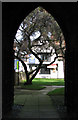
21, 77
54, 74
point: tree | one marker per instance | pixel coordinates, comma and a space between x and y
39, 32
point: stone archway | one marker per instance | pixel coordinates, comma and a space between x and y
12, 17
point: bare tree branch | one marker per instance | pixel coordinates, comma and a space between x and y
32, 71
53, 60
35, 55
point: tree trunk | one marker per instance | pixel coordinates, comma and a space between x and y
36, 71
29, 80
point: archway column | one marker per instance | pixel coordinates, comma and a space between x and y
71, 82
8, 74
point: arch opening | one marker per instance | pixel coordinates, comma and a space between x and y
43, 37
39, 46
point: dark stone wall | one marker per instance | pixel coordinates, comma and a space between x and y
7, 70
66, 16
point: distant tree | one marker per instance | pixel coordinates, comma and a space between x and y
39, 32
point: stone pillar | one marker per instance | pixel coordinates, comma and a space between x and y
8, 79
7, 71
75, 84
71, 82
69, 79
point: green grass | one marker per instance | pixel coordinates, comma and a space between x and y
31, 87
39, 83
58, 91
45, 81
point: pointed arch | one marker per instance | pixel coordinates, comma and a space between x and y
37, 33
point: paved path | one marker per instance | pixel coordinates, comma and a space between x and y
34, 92
36, 104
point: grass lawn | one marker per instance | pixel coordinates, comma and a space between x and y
58, 91
31, 87
39, 83
45, 81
